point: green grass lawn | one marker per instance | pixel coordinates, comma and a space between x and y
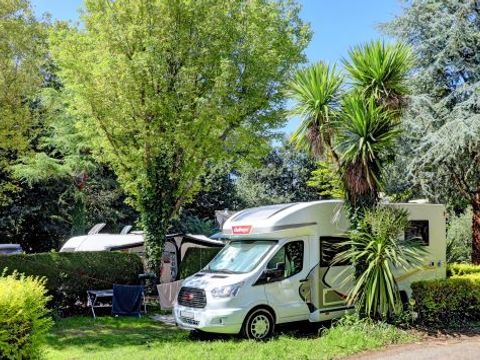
132, 338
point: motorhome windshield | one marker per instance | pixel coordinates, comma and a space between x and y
240, 256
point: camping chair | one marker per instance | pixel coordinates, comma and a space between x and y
127, 299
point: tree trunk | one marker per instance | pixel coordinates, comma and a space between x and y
157, 201
476, 229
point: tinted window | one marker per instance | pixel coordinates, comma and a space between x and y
288, 260
330, 246
418, 230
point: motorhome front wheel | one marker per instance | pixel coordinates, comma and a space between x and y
258, 325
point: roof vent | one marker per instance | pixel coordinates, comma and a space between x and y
419, 201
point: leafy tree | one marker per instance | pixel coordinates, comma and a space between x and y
89, 193
375, 242
163, 88
443, 123
22, 56
324, 178
281, 178
459, 237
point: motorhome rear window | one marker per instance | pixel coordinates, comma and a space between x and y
330, 246
418, 229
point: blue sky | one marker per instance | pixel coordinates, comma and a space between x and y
337, 24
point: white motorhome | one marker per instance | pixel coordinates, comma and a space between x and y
277, 268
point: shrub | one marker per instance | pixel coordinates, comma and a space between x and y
462, 269
196, 259
375, 249
459, 237
448, 302
70, 275
23, 316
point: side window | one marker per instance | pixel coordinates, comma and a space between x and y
288, 261
330, 246
418, 230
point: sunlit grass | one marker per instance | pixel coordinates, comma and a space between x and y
132, 338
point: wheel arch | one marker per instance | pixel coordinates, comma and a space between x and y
263, 307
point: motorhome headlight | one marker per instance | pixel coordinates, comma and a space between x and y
226, 291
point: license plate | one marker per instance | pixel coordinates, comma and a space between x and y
187, 314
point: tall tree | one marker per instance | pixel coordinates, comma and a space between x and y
443, 122
162, 88
22, 56
356, 126
280, 177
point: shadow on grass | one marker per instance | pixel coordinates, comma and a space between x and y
110, 332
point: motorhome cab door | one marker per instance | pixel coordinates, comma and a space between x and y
283, 278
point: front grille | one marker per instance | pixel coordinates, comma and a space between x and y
192, 297
189, 321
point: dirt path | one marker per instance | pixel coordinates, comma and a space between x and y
461, 348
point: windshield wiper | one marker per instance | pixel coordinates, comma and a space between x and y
226, 271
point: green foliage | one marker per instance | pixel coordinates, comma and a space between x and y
192, 224
316, 91
366, 136
448, 302
196, 259
375, 246
326, 181
442, 120
462, 269
379, 71
281, 178
119, 338
24, 320
159, 99
70, 275
357, 126
22, 56
459, 237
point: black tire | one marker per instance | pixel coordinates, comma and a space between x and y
258, 325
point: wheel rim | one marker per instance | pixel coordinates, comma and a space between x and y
260, 326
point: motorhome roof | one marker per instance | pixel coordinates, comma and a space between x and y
275, 221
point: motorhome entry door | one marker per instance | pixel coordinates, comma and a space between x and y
335, 278
283, 289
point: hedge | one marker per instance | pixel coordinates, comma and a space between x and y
462, 269
448, 302
70, 275
24, 320
196, 259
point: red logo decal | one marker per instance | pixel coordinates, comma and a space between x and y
241, 229
187, 297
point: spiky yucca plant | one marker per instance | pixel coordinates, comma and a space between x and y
380, 71
316, 92
365, 138
377, 243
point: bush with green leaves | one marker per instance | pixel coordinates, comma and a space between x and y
462, 269
376, 247
70, 275
459, 237
24, 319
448, 302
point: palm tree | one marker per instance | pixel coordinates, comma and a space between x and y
365, 140
380, 71
316, 92
375, 243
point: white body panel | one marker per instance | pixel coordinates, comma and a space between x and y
314, 292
